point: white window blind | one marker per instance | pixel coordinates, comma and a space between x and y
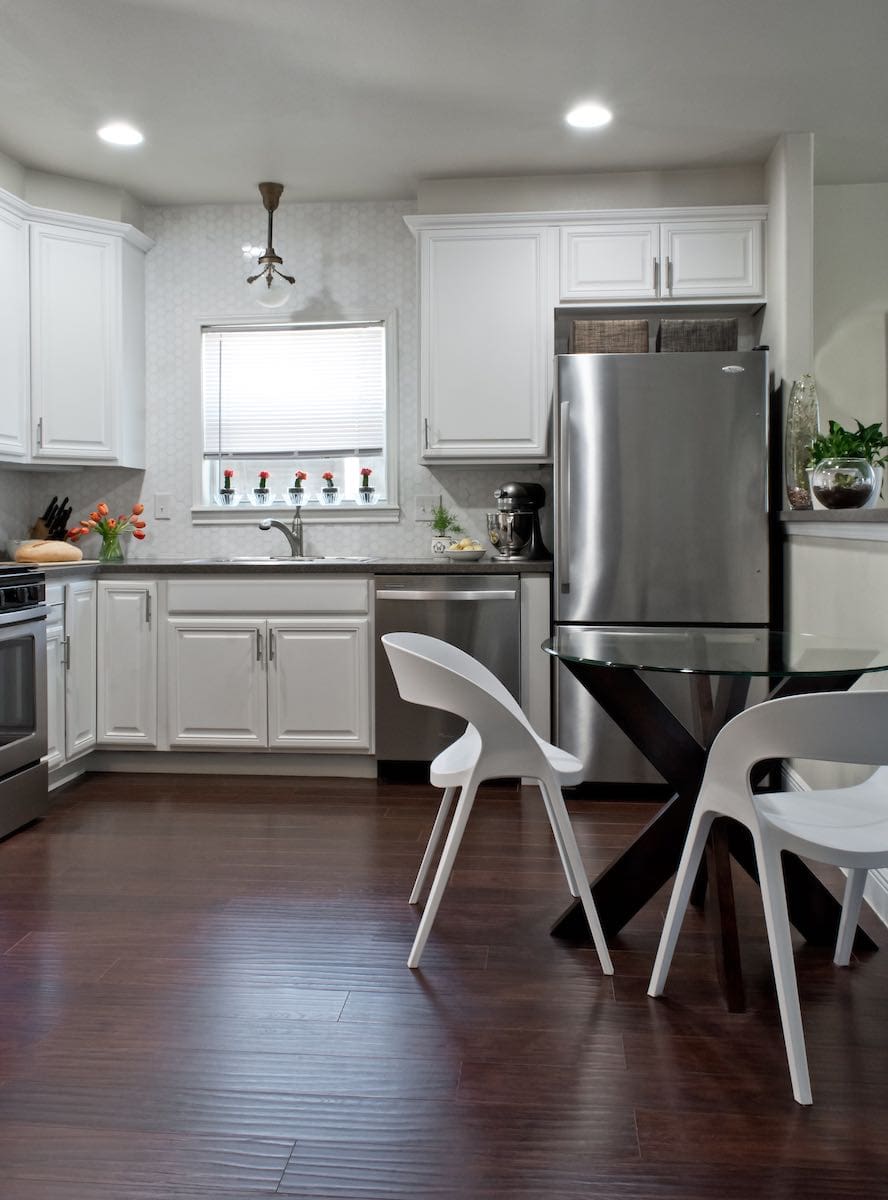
293, 391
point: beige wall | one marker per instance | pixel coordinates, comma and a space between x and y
626, 189
65, 194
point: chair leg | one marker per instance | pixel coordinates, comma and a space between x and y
691, 857
559, 842
777, 921
574, 869
445, 866
854, 886
432, 846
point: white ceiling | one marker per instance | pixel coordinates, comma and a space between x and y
349, 99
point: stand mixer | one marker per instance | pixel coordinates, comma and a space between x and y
514, 529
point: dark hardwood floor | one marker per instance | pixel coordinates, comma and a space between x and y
203, 993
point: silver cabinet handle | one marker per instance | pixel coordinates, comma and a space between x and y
425, 432
147, 608
656, 276
66, 653
271, 645
669, 275
258, 646
564, 496
410, 594
40, 434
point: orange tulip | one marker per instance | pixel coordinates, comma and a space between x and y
112, 524
137, 533
74, 534
94, 516
140, 524
138, 509
102, 509
85, 526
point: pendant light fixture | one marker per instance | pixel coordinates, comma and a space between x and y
274, 285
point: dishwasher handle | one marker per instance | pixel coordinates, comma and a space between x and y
416, 594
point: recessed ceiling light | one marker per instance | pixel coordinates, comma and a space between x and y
589, 116
118, 133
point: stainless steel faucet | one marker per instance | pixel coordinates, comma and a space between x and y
293, 534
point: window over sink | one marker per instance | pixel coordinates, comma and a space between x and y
280, 398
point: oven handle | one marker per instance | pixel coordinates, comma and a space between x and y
22, 616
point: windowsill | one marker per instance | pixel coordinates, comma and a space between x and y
348, 513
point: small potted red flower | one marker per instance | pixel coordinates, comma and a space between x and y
297, 491
366, 491
329, 494
227, 494
262, 493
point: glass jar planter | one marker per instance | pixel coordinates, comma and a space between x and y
843, 482
329, 495
263, 496
366, 495
298, 497
228, 496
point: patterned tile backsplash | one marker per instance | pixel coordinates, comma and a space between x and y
349, 259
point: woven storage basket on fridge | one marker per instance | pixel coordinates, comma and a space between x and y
689, 336
609, 337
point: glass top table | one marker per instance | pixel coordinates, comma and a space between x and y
709, 650
613, 664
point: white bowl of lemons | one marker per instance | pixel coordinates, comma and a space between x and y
465, 550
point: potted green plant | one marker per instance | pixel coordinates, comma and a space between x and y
847, 466
444, 525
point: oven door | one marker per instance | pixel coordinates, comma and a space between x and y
22, 689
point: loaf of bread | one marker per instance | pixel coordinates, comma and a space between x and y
46, 552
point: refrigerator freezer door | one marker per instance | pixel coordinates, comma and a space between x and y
661, 492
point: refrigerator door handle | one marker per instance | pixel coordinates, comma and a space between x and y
563, 495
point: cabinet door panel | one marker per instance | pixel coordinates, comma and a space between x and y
80, 674
712, 258
14, 362
127, 664
611, 262
75, 316
319, 685
486, 342
55, 692
216, 683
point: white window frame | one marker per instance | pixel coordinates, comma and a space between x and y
345, 513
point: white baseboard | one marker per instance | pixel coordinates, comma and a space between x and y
173, 762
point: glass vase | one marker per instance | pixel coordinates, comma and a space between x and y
329, 495
112, 550
843, 482
802, 427
298, 497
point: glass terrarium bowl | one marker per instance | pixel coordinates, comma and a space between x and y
843, 482
228, 497
263, 496
298, 497
329, 495
366, 495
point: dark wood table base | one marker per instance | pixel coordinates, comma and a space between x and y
651, 860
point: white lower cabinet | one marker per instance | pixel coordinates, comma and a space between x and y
216, 688
127, 664
71, 671
318, 684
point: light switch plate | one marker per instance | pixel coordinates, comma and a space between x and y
163, 506
423, 507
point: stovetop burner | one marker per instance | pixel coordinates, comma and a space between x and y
21, 587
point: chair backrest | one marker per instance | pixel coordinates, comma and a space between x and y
842, 727
438, 675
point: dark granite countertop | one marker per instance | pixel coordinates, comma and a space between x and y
332, 566
844, 516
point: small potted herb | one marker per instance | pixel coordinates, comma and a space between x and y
329, 492
366, 492
847, 466
444, 524
297, 491
227, 494
262, 494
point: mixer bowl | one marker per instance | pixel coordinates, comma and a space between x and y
509, 532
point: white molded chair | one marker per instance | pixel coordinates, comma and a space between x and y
845, 827
498, 742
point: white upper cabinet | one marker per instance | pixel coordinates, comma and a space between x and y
486, 342
607, 261
14, 364
712, 258
72, 338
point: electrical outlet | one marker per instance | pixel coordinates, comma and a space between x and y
423, 507
163, 506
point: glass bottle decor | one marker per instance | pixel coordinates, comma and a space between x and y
802, 427
111, 551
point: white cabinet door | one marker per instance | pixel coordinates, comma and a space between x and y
75, 343
710, 258
55, 690
486, 342
319, 684
127, 664
14, 325
80, 667
610, 262
216, 690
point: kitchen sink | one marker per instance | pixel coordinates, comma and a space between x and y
283, 558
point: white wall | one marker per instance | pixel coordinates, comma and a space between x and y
80, 196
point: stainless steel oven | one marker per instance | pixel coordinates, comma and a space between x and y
23, 774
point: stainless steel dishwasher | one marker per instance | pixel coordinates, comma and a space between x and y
479, 613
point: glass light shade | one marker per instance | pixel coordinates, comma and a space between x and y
273, 296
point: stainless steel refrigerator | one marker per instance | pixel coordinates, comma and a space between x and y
661, 499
